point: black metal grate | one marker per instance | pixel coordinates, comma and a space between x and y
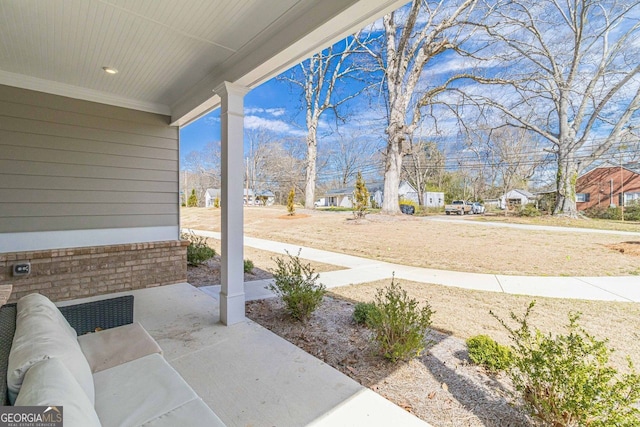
104, 314
7, 330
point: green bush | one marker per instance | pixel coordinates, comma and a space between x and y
216, 202
604, 212
528, 210
248, 266
398, 323
362, 313
565, 380
483, 350
197, 251
295, 283
631, 212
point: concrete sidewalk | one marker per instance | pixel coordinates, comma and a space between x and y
363, 270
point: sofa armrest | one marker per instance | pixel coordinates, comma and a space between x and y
102, 314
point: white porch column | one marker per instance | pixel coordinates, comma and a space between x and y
232, 142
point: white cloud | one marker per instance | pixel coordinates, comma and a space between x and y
210, 120
275, 112
277, 126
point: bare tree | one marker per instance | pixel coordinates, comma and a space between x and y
423, 164
515, 156
570, 73
201, 170
350, 153
318, 77
412, 38
280, 167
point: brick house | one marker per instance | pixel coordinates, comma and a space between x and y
605, 184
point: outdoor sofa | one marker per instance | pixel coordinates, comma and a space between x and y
117, 376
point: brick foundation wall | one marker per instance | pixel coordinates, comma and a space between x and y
63, 274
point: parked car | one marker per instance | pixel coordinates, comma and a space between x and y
477, 208
459, 207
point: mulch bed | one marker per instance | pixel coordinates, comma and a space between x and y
441, 387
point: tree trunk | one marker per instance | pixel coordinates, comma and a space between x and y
566, 182
310, 182
393, 166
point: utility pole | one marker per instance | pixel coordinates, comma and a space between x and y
621, 192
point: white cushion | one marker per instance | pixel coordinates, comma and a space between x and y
49, 383
41, 334
139, 391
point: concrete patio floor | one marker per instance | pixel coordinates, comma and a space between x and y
248, 375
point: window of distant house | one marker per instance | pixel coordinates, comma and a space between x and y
631, 199
582, 197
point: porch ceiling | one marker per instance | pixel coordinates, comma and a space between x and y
170, 54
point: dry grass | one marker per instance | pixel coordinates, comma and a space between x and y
423, 243
465, 313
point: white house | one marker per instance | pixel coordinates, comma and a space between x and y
265, 197
210, 196
433, 199
516, 198
341, 197
249, 197
406, 191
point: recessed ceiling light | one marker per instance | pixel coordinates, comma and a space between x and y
110, 70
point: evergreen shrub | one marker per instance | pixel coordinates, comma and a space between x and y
362, 312
296, 284
566, 380
399, 324
483, 350
198, 251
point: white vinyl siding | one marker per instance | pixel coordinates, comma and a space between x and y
68, 164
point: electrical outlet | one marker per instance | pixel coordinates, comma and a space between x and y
22, 269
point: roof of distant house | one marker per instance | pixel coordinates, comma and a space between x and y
632, 166
213, 192
525, 193
347, 191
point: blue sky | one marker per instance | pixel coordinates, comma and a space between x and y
273, 105
276, 106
